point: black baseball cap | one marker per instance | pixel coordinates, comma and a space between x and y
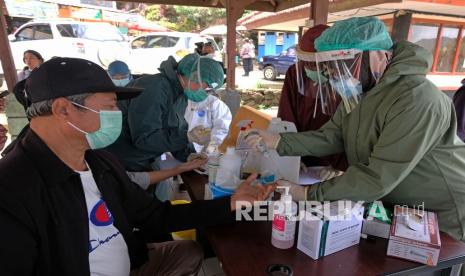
62, 77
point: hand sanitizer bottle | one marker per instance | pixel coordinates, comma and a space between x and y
283, 230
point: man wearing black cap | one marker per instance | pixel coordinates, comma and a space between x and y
67, 208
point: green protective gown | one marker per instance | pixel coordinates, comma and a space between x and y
400, 142
153, 123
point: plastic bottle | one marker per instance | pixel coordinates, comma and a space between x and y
283, 229
243, 126
228, 174
274, 166
251, 158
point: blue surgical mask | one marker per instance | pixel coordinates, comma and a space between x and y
347, 87
109, 131
122, 82
196, 95
315, 77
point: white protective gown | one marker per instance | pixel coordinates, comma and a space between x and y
212, 113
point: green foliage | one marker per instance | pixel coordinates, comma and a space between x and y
184, 18
259, 85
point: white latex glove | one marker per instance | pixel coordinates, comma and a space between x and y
200, 135
262, 140
295, 190
329, 172
194, 156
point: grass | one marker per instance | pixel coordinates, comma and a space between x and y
260, 85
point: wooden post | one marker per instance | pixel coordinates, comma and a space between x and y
234, 9
401, 26
319, 11
8, 65
300, 33
232, 14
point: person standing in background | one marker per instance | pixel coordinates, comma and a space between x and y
119, 73
32, 59
247, 54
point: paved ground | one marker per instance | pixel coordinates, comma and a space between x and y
256, 80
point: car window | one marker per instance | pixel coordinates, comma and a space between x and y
291, 51
66, 30
138, 43
43, 32
100, 32
161, 41
26, 34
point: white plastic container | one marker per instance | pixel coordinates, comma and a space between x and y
283, 229
283, 167
229, 171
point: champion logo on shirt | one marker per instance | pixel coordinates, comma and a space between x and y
201, 113
100, 215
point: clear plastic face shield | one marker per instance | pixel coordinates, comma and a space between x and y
334, 73
306, 68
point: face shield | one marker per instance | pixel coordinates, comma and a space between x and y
332, 73
335, 73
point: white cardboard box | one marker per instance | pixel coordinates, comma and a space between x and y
318, 238
418, 241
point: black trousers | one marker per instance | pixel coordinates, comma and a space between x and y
247, 63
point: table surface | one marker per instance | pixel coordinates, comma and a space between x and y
244, 248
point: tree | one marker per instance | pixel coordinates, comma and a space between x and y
184, 18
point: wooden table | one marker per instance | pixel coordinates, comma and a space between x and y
244, 248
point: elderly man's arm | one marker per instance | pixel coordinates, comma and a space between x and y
412, 129
154, 217
18, 244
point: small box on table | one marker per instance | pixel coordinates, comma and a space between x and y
320, 237
414, 236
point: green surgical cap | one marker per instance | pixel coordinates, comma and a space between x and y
362, 33
211, 71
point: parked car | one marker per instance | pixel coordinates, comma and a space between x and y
101, 43
149, 50
276, 65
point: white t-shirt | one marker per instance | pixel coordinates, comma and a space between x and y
108, 252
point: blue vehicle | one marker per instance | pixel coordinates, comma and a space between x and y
273, 66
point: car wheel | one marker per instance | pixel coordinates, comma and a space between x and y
269, 73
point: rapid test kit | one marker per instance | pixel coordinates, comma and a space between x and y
414, 236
